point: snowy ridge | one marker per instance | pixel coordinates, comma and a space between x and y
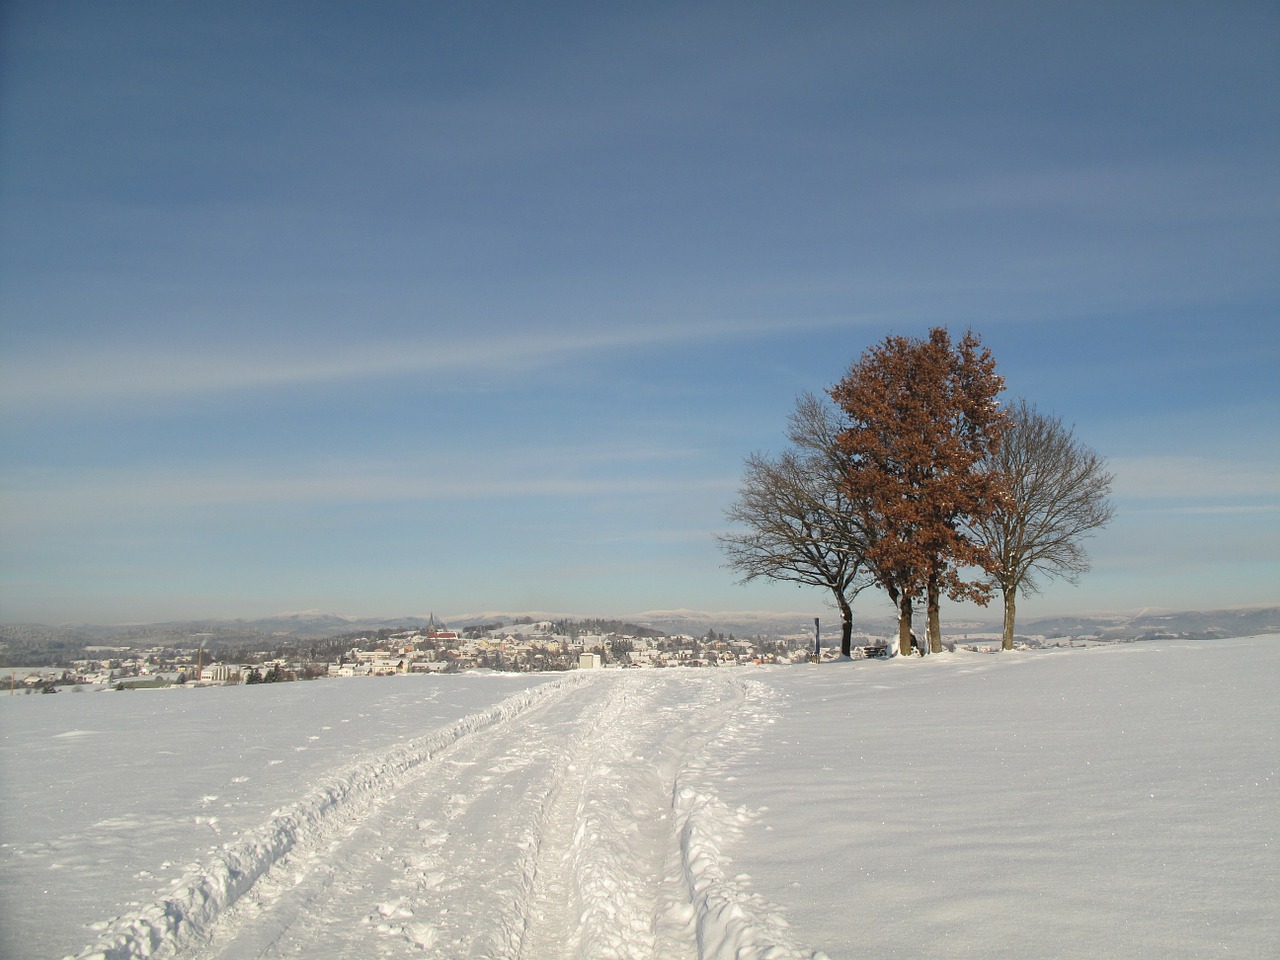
731, 922
201, 897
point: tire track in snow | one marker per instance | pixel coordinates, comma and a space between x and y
605, 884
188, 914
578, 819
448, 862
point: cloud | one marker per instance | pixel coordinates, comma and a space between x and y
1214, 509
1166, 192
1193, 478
41, 499
76, 379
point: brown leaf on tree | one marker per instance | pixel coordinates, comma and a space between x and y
923, 418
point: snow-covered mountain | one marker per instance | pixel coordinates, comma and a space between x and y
1151, 624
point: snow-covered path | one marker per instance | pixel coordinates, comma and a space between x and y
569, 822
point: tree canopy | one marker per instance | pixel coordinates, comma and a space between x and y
922, 419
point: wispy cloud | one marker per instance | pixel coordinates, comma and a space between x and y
76, 378
1213, 509
1195, 189
1192, 478
37, 498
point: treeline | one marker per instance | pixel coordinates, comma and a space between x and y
594, 626
21, 651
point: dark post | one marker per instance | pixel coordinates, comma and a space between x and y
817, 640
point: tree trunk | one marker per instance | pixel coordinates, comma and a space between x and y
1010, 600
934, 632
846, 626
904, 625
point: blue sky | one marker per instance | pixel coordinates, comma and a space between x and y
397, 307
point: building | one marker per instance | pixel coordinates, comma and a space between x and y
223, 672
435, 632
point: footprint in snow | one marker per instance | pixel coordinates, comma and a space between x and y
421, 935
431, 881
397, 910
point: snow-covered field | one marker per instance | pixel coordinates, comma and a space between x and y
1117, 801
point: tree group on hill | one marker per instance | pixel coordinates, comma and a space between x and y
911, 476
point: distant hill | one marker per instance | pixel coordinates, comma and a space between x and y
743, 623
28, 644
1195, 624
23, 644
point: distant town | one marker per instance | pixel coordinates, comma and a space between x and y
42, 659
543, 645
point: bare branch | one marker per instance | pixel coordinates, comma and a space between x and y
795, 522
1056, 494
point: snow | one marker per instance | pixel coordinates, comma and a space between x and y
1114, 801
108, 797
1119, 801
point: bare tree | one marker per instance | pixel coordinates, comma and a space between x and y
797, 525
1056, 495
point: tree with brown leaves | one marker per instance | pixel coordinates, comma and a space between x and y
922, 419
